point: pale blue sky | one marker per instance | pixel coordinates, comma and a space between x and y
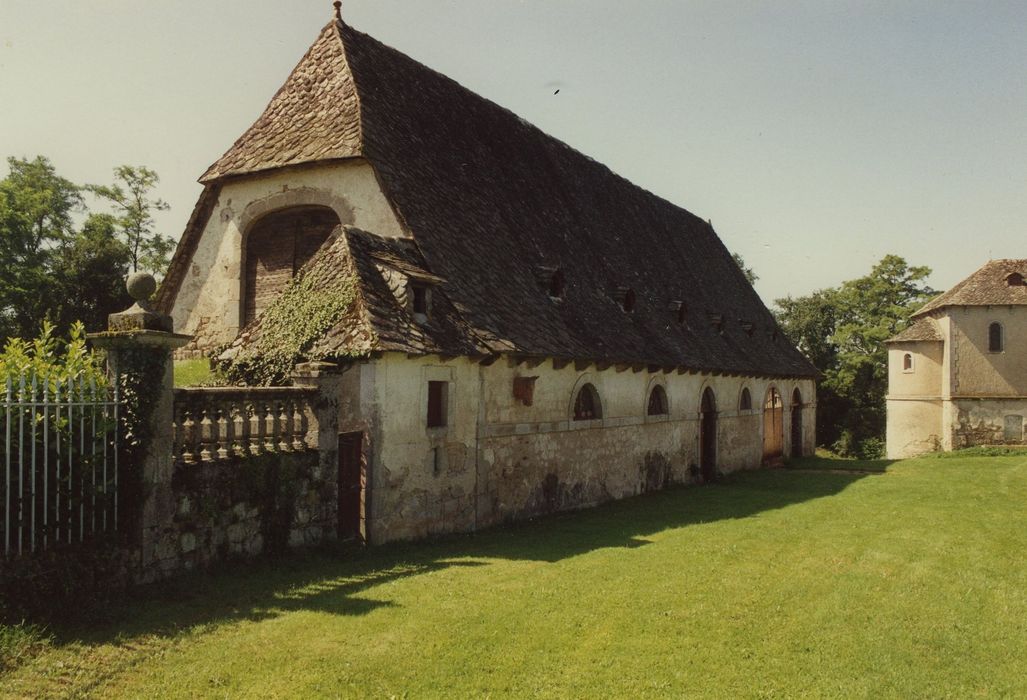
818, 136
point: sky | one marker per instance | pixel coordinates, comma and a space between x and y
817, 136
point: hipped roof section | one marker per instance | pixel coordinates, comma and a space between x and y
988, 286
488, 200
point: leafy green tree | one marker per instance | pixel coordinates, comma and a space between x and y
90, 273
131, 198
36, 219
842, 331
749, 273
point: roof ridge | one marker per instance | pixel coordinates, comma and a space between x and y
339, 25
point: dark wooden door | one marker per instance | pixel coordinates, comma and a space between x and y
708, 437
352, 477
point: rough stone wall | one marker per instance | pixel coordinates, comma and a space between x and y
500, 459
987, 422
243, 508
209, 302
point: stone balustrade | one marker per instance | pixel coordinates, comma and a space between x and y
222, 423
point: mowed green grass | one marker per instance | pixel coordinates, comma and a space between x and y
782, 583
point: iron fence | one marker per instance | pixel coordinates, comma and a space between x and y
60, 462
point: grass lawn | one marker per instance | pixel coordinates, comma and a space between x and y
192, 372
783, 583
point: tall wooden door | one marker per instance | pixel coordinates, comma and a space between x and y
796, 424
708, 436
352, 479
773, 427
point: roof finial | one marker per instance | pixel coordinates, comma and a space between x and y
338, 10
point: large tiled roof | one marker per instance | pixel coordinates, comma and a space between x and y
490, 204
989, 286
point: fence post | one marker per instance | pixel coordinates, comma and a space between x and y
139, 344
323, 429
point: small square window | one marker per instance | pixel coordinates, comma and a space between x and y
438, 404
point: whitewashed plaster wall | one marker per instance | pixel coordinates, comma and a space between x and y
208, 302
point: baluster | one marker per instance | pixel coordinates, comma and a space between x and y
256, 429
298, 433
269, 428
176, 431
206, 436
284, 427
222, 433
238, 427
188, 435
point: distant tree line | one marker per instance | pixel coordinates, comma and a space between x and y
842, 331
61, 262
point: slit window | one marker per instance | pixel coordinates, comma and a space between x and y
907, 362
995, 340
628, 303
438, 400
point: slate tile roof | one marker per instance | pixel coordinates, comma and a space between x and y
489, 200
988, 286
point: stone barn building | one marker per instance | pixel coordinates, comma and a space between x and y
524, 331
957, 376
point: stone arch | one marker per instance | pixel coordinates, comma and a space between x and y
586, 382
656, 382
275, 247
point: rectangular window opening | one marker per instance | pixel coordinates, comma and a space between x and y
420, 293
438, 404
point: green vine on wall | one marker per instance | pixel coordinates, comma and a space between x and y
289, 328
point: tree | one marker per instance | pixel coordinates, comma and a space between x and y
130, 196
842, 332
36, 218
749, 273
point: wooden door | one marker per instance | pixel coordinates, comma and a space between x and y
352, 478
773, 427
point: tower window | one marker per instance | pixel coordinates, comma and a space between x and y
995, 339
907, 362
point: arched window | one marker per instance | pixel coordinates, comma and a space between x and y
587, 405
657, 402
276, 247
995, 339
1014, 279
745, 402
907, 362
557, 283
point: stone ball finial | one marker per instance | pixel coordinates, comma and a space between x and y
141, 286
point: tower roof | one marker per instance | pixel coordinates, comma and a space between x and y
997, 283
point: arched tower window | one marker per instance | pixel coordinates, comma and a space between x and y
995, 339
587, 405
907, 362
657, 402
745, 401
276, 247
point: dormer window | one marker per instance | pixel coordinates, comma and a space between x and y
746, 326
419, 298
680, 310
1014, 279
717, 322
557, 283
625, 296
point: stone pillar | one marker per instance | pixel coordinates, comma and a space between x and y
139, 345
324, 427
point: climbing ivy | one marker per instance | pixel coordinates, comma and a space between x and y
289, 327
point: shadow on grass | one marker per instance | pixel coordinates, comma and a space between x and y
338, 580
838, 465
